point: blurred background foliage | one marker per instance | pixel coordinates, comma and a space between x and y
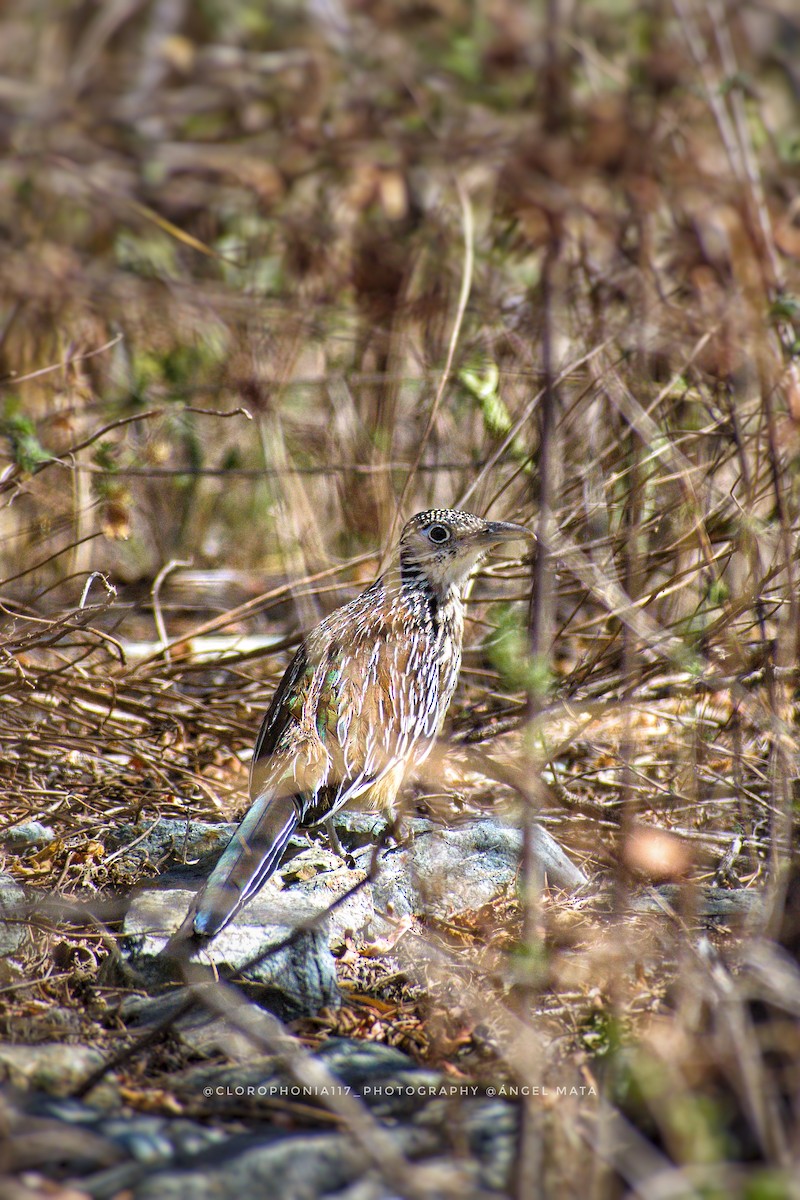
213, 206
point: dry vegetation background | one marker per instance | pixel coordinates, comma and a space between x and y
268, 274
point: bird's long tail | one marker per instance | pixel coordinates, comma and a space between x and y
246, 864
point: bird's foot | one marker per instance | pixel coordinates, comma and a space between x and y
336, 845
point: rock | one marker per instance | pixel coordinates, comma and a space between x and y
362, 1065
368, 1189
211, 1036
144, 1138
314, 860
712, 903
204, 1032
108, 1154
440, 872
320, 876
299, 978
356, 829
53, 1068
460, 1142
428, 1113
444, 872
13, 911
28, 836
390, 1082
303, 1167
37, 1140
191, 848
170, 841
257, 1081
490, 1129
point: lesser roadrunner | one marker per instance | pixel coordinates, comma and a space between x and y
359, 706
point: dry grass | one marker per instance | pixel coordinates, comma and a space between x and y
259, 281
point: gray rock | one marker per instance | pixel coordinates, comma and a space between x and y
258, 1079
389, 1082
189, 849
319, 877
440, 872
48, 1147
369, 1189
355, 1062
462, 1144
308, 1166
203, 1031
53, 1068
27, 836
299, 978
108, 1154
170, 841
711, 903
490, 1129
448, 871
303, 1167
356, 829
13, 911
144, 1139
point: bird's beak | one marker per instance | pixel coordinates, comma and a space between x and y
503, 531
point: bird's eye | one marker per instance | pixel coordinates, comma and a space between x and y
438, 534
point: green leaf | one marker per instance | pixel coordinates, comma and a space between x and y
26, 449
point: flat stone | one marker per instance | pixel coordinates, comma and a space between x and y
390, 1082
27, 836
359, 1063
299, 978
171, 841
356, 829
303, 1167
320, 878
55, 1068
440, 872
711, 902
104, 1156
13, 930
203, 1031
490, 1128
443, 872
153, 1157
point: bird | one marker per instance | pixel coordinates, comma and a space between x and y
359, 706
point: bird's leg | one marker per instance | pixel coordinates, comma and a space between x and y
396, 832
336, 845
333, 837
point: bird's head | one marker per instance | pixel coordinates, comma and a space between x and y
444, 545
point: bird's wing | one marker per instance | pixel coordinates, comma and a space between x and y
356, 701
378, 698
280, 715
353, 705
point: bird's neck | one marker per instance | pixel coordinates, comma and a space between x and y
443, 601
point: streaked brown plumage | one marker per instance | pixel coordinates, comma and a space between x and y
359, 706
